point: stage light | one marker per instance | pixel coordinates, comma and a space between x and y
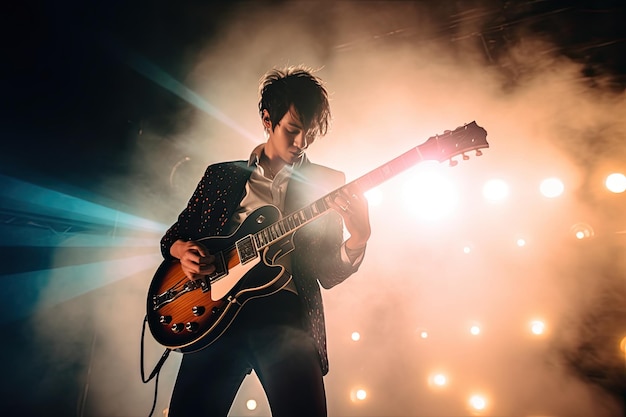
537, 327
36, 290
438, 380
251, 405
374, 197
477, 402
616, 183
495, 190
423, 333
551, 187
86, 225
159, 76
358, 394
467, 247
355, 336
430, 196
361, 394
475, 330
521, 242
29, 198
581, 231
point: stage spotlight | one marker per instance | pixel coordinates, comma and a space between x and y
495, 190
423, 333
477, 403
355, 336
537, 327
468, 247
361, 394
437, 380
581, 231
475, 330
521, 242
551, 187
251, 405
374, 197
358, 394
430, 196
616, 183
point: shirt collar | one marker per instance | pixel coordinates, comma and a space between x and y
255, 158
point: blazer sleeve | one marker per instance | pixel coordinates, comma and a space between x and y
208, 210
318, 244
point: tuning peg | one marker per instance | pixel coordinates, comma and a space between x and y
465, 157
479, 152
453, 163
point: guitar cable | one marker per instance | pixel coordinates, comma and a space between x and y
157, 368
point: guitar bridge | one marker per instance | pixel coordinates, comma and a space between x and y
203, 283
172, 294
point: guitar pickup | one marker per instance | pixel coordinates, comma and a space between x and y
246, 250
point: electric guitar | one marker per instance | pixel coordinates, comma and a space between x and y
188, 315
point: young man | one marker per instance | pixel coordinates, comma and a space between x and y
280, 336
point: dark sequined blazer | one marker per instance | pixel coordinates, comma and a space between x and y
317, 258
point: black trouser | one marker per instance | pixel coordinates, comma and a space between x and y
266, 336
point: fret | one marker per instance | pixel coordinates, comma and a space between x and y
274, 232
307, 213
320, 206
281, 226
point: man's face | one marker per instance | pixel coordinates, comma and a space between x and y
288, 139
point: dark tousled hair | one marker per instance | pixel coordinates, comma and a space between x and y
280, 88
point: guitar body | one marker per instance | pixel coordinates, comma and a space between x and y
189, 315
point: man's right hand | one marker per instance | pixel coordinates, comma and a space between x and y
195, 259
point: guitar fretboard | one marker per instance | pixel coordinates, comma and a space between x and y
440, 148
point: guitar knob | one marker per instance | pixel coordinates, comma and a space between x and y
197, 310
191, 326
177, 327
164, 320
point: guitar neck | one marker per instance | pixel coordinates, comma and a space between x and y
438, 148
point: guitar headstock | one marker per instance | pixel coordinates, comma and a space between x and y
469, 137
